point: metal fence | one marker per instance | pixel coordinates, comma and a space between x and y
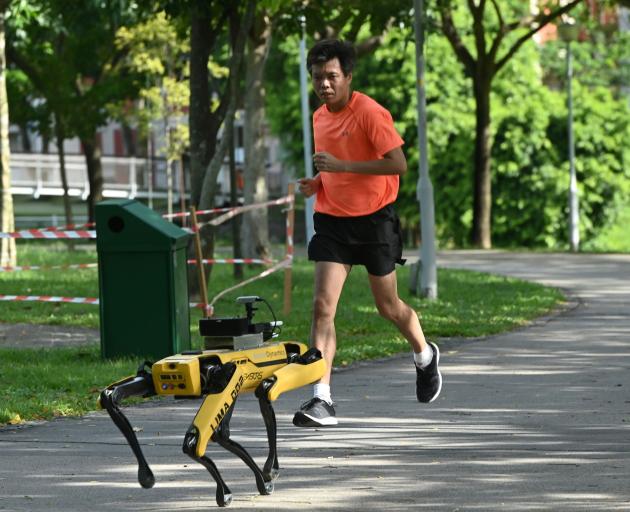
39, 175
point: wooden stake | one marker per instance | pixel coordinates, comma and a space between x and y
203, 291
289, 251
182, 189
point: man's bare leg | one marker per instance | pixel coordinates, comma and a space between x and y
329, 280
426, 355
391, 307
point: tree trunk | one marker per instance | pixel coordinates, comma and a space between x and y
8, 255
26, 138
209, 187
59, 133
205, 158
199, 122
255, 232
482, 207
95, 173
130, 140
199, 111
217, 153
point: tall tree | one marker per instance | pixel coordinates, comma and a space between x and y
26, 107
228, 105
7, 224
255, 232
495, 41
269, 15
159, 52
207, 35
68, 53
30, 111
206, 158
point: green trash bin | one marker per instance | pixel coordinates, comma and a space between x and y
143, 282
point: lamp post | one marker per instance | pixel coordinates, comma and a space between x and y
306, 131
424, 190
569, 34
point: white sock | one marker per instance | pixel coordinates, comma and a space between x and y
424, 358
322, 391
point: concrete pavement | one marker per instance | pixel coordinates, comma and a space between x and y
535, 419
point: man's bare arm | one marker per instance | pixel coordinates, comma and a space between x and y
393, 162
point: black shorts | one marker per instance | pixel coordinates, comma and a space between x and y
372, 240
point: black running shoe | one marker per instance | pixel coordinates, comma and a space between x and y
429, 379
315, 413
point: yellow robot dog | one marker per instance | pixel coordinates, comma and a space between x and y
238, 359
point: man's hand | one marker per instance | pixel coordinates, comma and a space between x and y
324, 161
392, 163
308, 186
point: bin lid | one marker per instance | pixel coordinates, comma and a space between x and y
128, 225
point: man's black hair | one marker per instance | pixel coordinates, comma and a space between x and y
328, 49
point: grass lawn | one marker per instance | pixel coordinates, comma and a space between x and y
41, 384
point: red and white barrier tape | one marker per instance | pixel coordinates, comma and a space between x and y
197, 212
225, 209
48, 298
71, 231
199, 305
289, 238
67, 300
38, 233
69, 227
54, 233
241, 209
49, 267
281, 264
234, 260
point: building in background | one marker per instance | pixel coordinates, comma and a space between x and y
132, 168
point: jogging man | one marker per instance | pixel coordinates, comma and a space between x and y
359, 159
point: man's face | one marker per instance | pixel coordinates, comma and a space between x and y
331, 85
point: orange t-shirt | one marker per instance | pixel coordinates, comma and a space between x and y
362, 131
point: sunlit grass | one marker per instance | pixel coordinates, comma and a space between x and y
67, 283
43, 384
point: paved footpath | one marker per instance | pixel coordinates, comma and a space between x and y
536, 419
